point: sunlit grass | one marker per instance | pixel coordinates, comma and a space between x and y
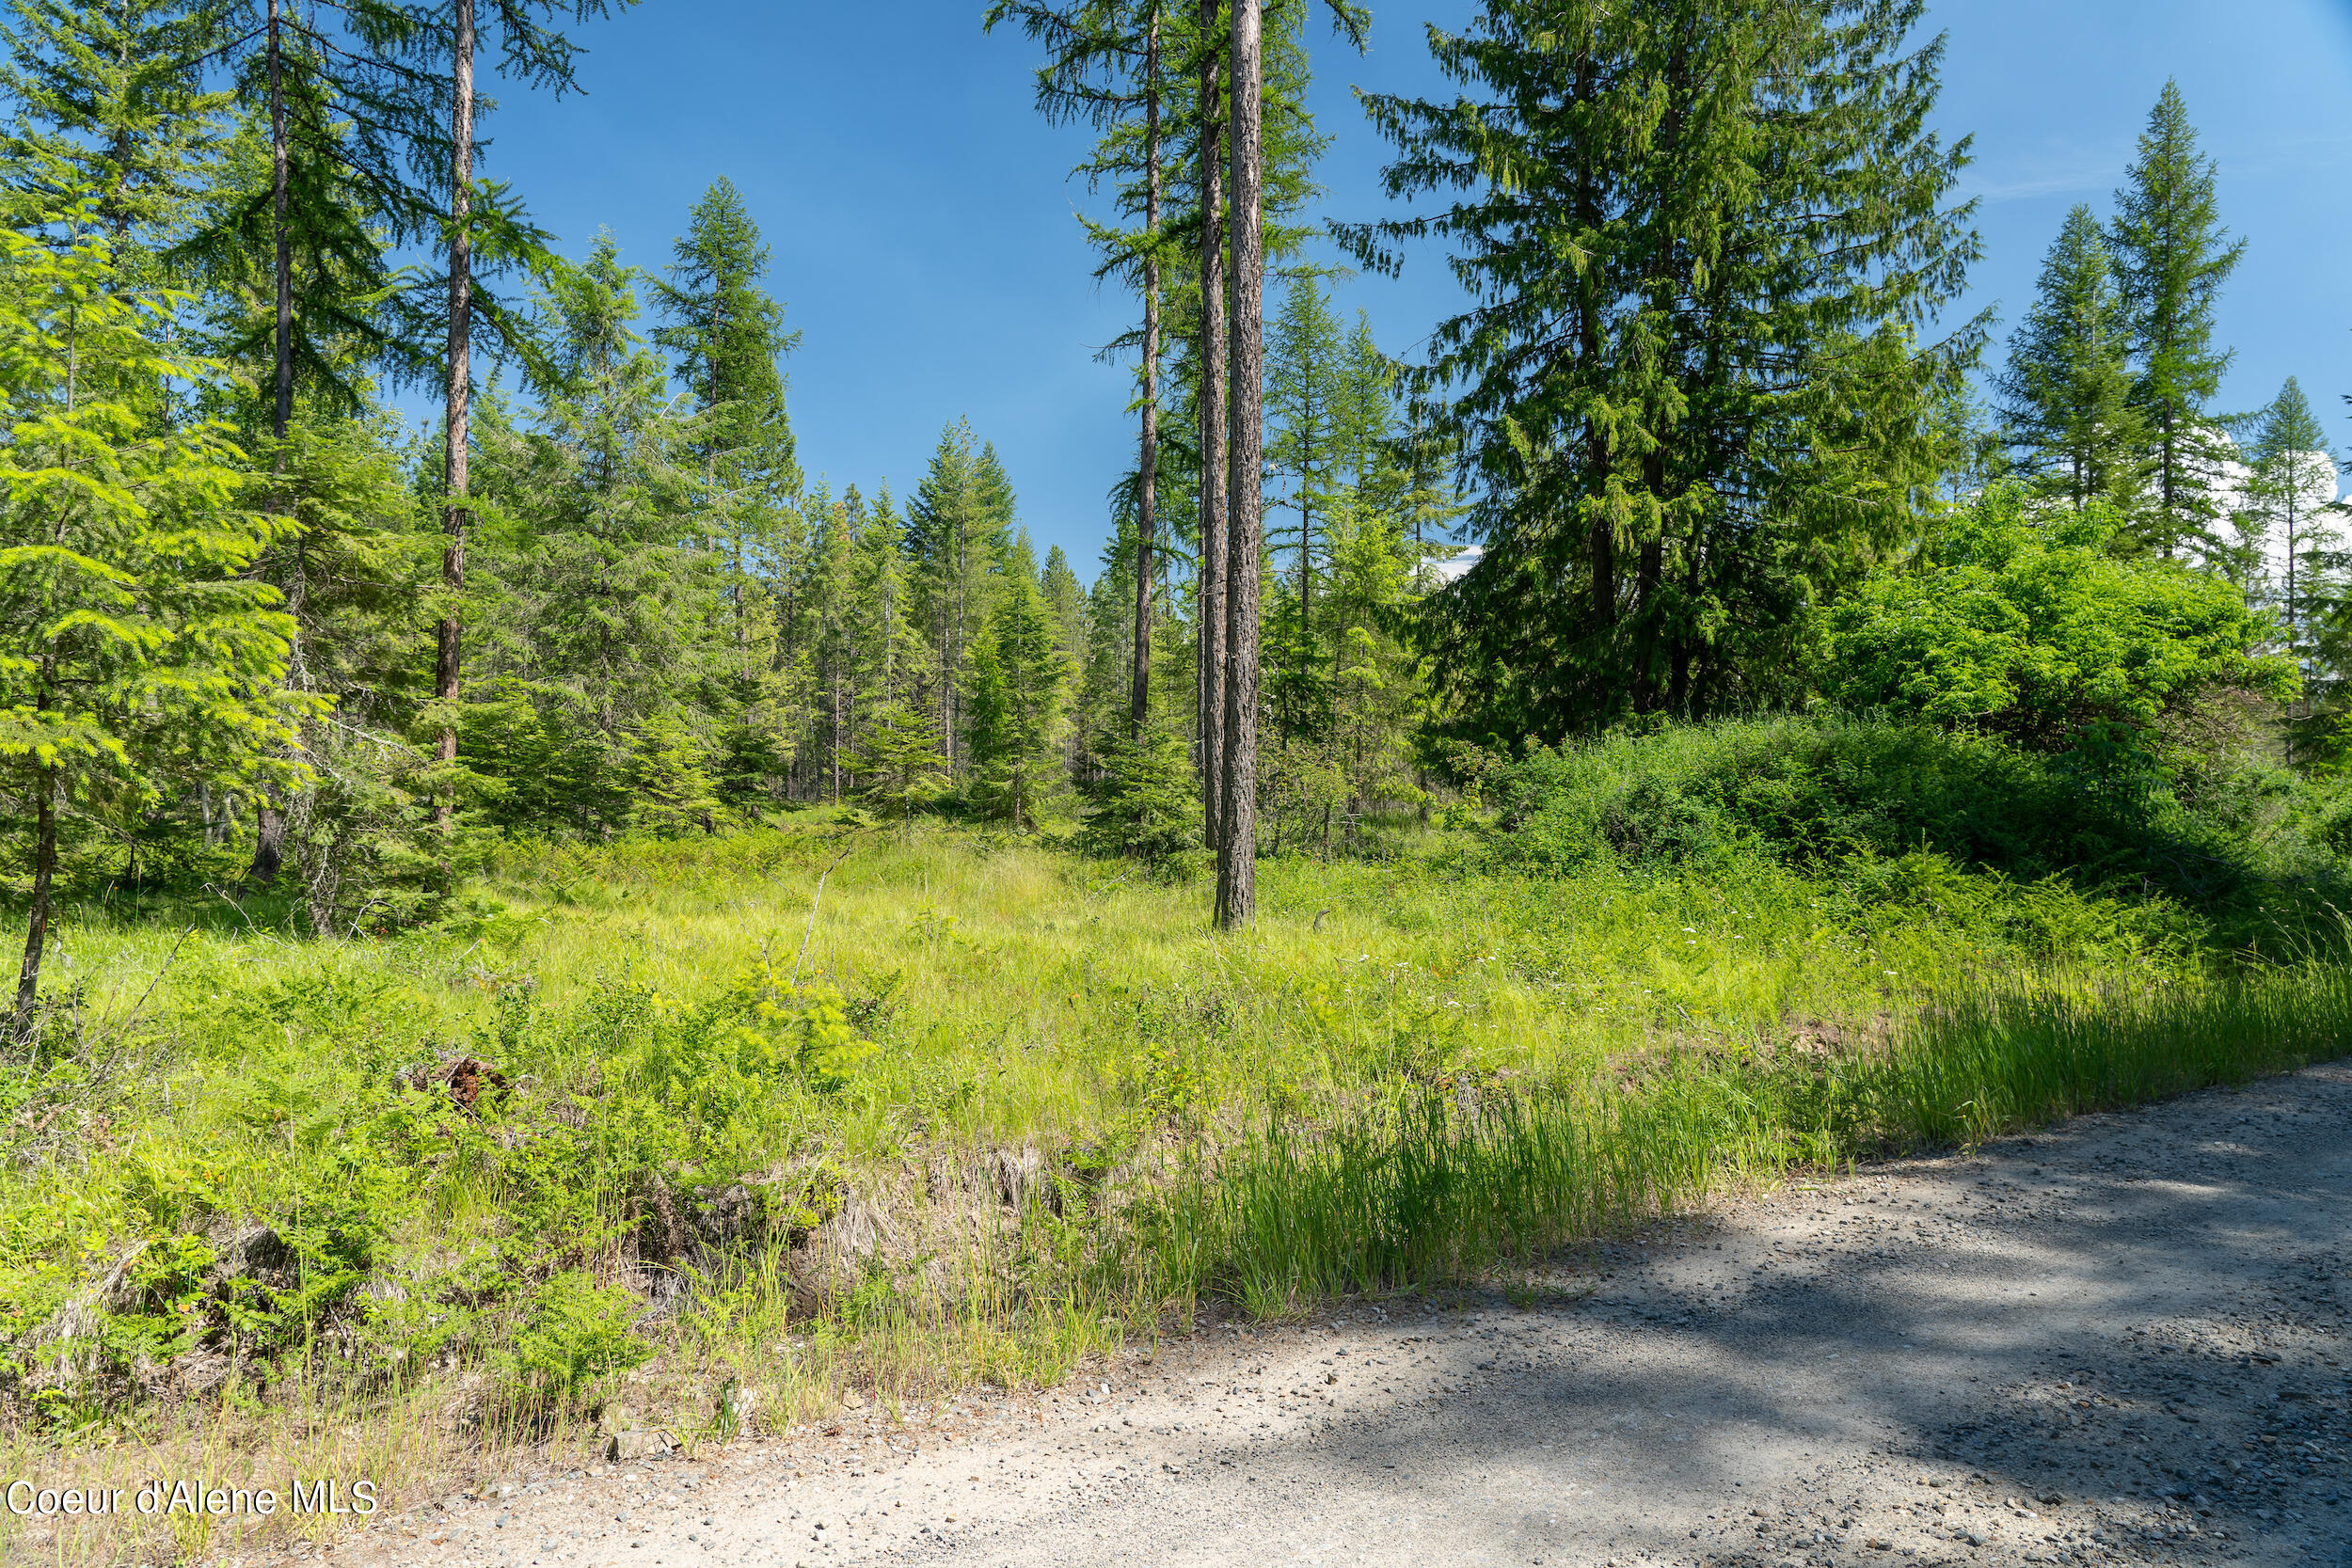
1408, 1073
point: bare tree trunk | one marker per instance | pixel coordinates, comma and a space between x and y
282, 412
269, 837
1148, 461
37, 926
1212, 653
460, 385
1238, 855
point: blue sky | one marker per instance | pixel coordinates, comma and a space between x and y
926, 248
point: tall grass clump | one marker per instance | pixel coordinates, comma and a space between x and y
1441, 1183
1978, 1065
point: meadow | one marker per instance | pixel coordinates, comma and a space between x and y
657, 1135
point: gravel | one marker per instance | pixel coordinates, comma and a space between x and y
2121, 1341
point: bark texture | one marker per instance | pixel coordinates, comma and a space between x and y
1211, 677
1238, 855
448, 663
1148, 459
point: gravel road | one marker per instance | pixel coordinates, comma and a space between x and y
2121, 1341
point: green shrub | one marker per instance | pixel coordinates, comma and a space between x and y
1860, 802
573, 1333
2023, 623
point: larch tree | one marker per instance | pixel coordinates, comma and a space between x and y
341, 113
2171, 258
1209, 39
483, 232
1108, 67
1247, 167
1245, 437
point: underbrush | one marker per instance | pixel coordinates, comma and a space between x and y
647, 1135
2243, 859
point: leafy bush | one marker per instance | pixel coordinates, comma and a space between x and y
1852, 797
2023, 624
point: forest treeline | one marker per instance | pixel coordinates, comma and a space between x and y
1705, 439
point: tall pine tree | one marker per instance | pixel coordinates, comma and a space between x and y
2173, 257
1701, 237
725, 335
2066, 391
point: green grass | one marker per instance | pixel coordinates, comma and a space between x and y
1022, 1106
1439, 1186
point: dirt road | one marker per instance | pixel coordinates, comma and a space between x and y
2118, 1342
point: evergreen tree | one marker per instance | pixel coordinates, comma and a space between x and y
1305, 372
292, 246
351, 560
726, 335
1375, 681
134, 651
672, 791
899, 759
111, 107
895, 754
616, 596
957, 528
2065, 393
1689, 395
1105, 678
892, 666
2173, 256
1145, 805
2291, 520
1065, 597
1018, 677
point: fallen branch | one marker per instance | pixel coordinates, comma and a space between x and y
812, 913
